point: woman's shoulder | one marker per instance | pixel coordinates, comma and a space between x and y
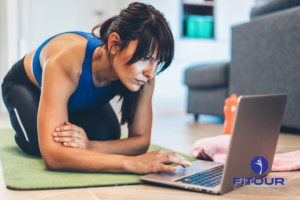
68, 47
67, 52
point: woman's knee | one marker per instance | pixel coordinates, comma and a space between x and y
29, 147
22, 103
99, 124
26, 135
111, 122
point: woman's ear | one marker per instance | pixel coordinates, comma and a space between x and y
114, 42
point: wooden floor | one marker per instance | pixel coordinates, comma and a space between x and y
176, 132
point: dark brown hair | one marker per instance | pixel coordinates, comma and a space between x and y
144, 23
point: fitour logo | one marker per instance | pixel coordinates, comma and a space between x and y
259, 165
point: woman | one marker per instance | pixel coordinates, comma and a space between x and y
58, 95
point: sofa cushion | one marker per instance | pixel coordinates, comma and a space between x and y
273, 6
265, 60
208, 101
207, 76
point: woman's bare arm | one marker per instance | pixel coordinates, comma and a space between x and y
138, 140
57, 87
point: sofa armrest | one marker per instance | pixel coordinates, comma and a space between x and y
207, 76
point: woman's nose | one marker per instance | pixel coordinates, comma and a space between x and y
150, 71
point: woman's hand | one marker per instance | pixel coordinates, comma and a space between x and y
71, 135
156, 161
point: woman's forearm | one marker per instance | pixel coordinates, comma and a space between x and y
82, 160
130, 146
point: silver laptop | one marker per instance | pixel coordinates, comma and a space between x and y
254, 134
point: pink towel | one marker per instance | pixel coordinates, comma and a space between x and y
215, 148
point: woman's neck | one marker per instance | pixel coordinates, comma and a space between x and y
103, 72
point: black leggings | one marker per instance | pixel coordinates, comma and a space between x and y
21, 98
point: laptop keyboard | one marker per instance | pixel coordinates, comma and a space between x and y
208, 178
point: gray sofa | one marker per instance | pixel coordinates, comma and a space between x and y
265, 60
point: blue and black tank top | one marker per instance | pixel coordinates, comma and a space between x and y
86, 95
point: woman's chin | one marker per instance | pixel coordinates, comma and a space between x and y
134, 88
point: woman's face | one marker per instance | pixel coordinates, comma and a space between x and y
135, 75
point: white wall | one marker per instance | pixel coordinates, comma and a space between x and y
3, 45
9, 28
43, 19
12, 30
230, 13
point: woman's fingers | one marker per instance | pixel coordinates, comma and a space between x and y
188, 163
175, 158
180, 157
66, 139
67, 134
68, 127
71, 144
172, 157
156, 161
162, 167
71, 135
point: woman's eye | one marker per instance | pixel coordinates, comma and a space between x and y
145, 58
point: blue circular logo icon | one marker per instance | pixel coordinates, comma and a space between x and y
259, 165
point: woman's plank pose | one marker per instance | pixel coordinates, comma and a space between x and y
58, 95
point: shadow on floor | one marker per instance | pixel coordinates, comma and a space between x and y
290, 130
210, 118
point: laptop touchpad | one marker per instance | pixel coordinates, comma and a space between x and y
181, 171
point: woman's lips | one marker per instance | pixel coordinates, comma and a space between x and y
140, 82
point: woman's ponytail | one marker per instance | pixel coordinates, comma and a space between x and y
104, 28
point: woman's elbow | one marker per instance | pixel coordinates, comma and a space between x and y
49, 167
144, 148
50, 161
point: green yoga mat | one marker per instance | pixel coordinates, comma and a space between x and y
25, 172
